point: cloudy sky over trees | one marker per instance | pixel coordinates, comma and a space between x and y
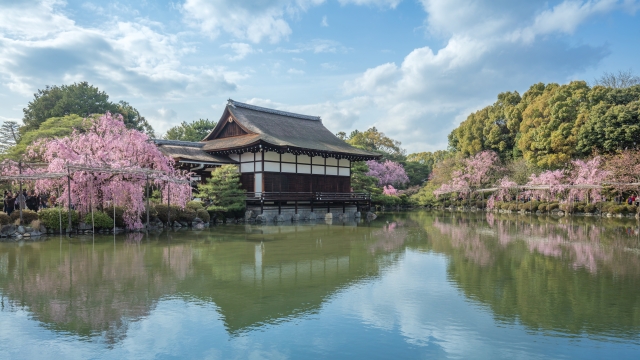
414, 69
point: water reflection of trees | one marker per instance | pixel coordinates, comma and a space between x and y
551, 274
254, 277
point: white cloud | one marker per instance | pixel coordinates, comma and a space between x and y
379, 3
490, 47
293, 71
324, 21
317, 46
241, 50
124, 57
245, 19
329, 66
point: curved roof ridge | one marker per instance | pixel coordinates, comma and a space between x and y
272, 111
178, 143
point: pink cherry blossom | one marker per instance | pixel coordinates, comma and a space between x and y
388, 172
107, 143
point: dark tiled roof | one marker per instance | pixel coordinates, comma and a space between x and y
192, 153
282, 129
178, 143
231, 142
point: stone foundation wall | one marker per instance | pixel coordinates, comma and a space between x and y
304, 211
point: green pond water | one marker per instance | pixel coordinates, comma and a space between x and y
407, 285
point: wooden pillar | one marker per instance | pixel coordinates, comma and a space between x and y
169, 203
296, 204
20, 191
147, 191
69, 198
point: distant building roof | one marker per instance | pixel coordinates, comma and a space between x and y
190, 151
280, 129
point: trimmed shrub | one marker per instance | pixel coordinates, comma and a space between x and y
632, 209
27, 216
152, 213
195, 205
570, 208
512, 207
50, 218
100, 219
618, 209
579, 207
553, 206
543, 207
186, 215
163, 212
590, 208
532, 205
203, 215
4, 219
119, 213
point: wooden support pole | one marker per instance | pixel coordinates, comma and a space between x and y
20, 191
69, 199
169, 203
147, 192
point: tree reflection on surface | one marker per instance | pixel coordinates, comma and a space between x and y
572, 276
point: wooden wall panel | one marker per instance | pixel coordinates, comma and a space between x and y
247, 180
231, 129
285, 182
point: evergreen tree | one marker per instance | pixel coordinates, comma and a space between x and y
9, 135
80, 99
195, 131
223, 189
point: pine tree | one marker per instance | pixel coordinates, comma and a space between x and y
223, 188
9, 135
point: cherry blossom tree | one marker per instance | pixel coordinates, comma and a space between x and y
623, 168
107, 143
387, 173
586, 173
554, 179
506, 188
477, 170
389, 191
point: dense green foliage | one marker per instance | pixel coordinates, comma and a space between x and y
203, 215
100, 219
551, 124
194, 131
223, 189
27, 216
80, 99
4, 218
187, 215
119, 216
50, 218
164, 212
54, 127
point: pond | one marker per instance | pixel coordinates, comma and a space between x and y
407, 285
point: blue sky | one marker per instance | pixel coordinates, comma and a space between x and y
414, 69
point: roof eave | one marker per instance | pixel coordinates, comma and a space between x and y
263, 145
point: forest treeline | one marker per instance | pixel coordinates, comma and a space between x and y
551, 135
550, 124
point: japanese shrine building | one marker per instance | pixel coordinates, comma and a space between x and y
282, 156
